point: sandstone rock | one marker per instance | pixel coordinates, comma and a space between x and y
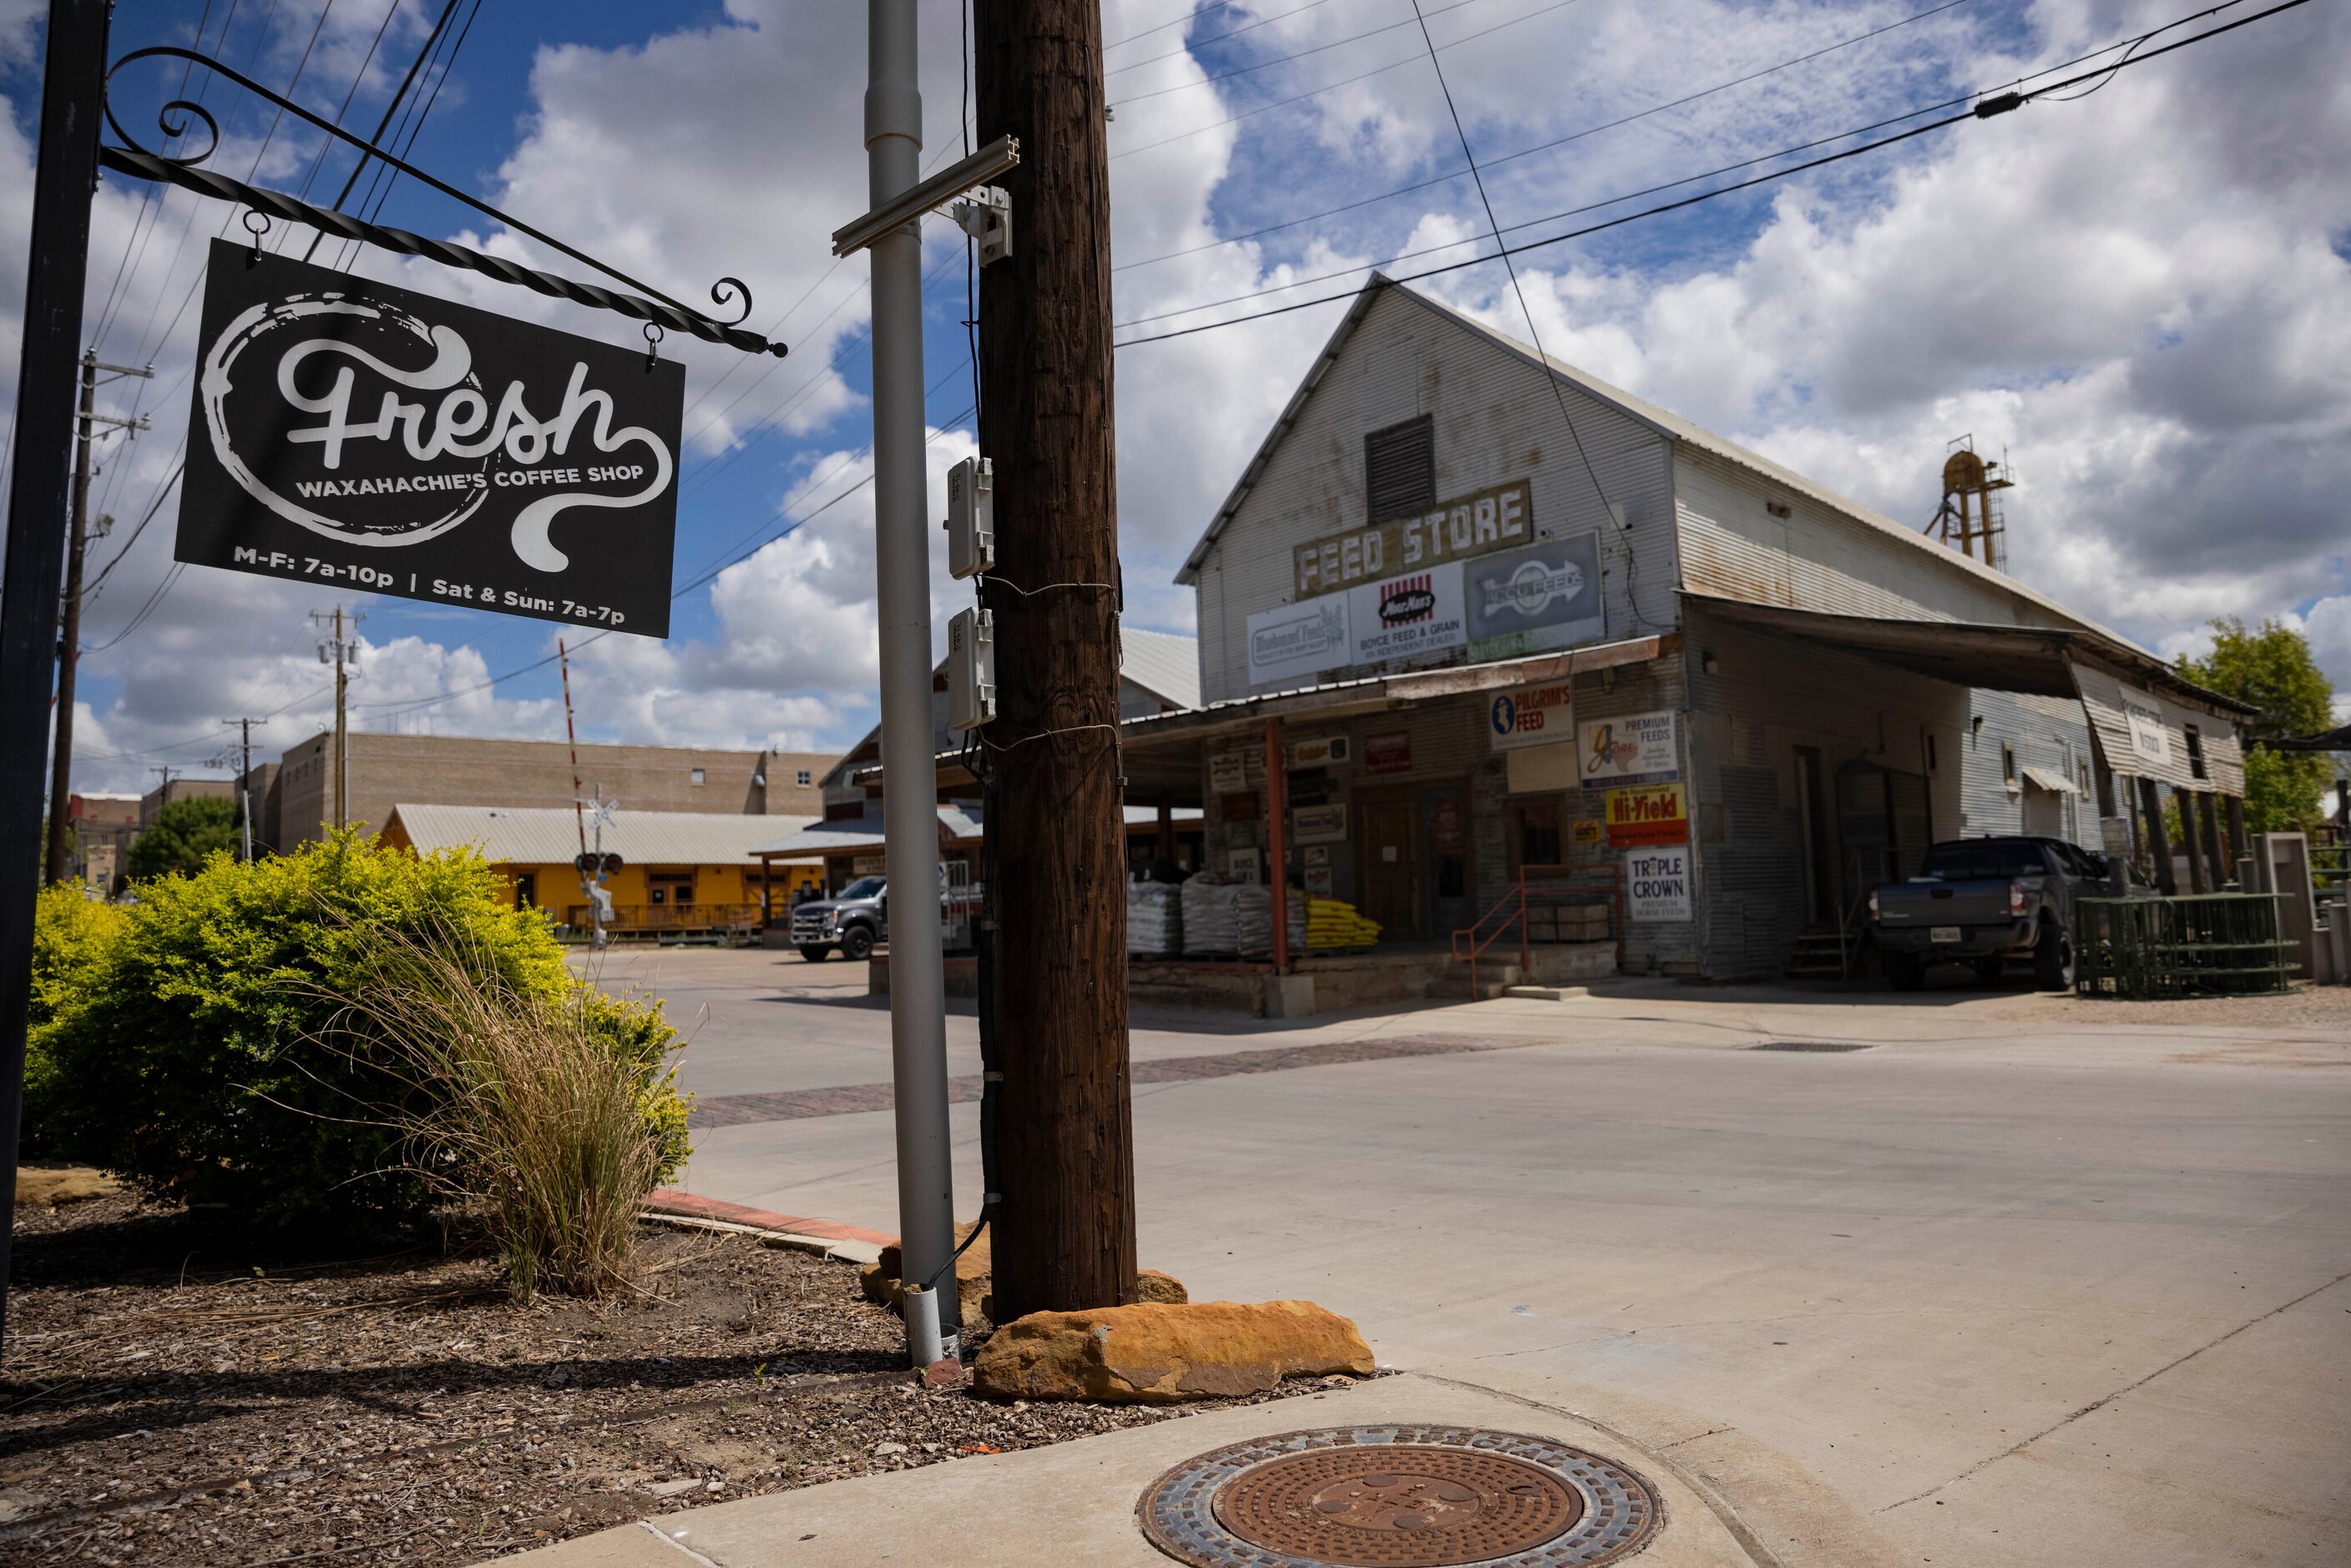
1164, 1290
880, 1282
1150, 1353
65, 1184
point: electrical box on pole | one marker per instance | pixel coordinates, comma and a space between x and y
971, 517
971, 669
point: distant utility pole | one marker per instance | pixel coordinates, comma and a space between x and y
165, 786
69, 631
343, 651
245, 777
1065, 1226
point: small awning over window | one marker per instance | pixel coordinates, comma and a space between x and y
2043, 779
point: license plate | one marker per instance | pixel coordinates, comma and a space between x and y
1945, 933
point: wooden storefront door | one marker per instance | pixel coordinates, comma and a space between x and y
1390, 847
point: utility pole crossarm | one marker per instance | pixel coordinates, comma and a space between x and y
998, 157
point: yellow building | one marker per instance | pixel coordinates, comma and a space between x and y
687, 872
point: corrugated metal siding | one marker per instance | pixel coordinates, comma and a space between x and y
1495, 420
2049, 733
2224, 761
1816, 559
1766, 698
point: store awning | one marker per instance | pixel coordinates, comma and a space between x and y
2037, 659
2043, 779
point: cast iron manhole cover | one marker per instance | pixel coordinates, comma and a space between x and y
1827, 1045
1397, 1497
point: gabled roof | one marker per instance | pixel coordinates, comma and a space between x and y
549, 835
1670, 425
844, 835
1163, 664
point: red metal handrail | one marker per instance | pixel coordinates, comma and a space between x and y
1514, 906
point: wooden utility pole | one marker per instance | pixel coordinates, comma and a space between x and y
1065, 1224
69, 631
342, 650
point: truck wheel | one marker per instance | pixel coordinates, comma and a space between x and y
2052, 959
1988, 970
857, 944
816, 952
1905, 971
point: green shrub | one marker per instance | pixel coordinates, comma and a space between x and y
195, 1052
71, 935
184, 836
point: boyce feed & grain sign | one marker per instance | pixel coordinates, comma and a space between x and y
349, 432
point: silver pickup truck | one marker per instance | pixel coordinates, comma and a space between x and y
1986, 901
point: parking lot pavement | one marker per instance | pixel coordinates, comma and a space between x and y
2021, 1281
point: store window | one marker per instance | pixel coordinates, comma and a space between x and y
803, 778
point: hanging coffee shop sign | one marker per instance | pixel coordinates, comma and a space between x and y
349, 432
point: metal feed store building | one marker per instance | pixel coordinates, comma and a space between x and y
1696, 704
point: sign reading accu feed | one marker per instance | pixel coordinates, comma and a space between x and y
2150, 736
1631, 748
1529, 715
1658, 885
1473, 524
1647, 814
353, 434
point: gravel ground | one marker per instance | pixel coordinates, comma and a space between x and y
2311, 1007
173, 1396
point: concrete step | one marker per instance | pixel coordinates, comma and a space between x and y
1533, 993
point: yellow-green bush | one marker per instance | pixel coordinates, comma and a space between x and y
190, 1042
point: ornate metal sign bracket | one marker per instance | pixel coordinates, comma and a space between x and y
648, 305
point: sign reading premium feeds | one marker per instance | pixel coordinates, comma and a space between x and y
349, 432
1469, 573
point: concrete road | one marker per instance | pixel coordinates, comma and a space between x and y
2025, 1281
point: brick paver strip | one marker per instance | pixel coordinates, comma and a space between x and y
848, 1099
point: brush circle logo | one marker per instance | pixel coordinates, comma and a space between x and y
405, 472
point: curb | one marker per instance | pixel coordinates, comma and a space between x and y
796, 1231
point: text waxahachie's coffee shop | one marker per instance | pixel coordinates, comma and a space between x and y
1692, 704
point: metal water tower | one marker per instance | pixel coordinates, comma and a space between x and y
1970, 519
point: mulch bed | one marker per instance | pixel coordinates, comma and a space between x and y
175, 1394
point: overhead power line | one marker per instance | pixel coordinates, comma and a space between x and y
1197, 44
1251, 70
1546, 146
1332, 87
1987, 107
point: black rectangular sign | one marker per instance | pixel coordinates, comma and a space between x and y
352, 434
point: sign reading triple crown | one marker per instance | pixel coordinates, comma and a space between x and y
353, 434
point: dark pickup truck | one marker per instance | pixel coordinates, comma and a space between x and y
1984, 901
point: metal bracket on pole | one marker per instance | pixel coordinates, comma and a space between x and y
965, 179
986, 217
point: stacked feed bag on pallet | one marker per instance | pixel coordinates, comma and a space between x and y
1154, 919
1210, 914
1331, 924
1256, 921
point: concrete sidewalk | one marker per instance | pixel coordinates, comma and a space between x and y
1074, 1502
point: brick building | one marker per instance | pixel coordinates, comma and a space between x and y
452, 770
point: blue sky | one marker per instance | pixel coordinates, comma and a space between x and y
2142, 295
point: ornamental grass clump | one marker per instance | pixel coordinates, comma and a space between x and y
519, 1110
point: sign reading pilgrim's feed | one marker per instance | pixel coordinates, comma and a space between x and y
353, 434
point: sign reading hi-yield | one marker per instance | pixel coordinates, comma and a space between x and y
349, 432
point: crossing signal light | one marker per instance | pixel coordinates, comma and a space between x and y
588, 864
